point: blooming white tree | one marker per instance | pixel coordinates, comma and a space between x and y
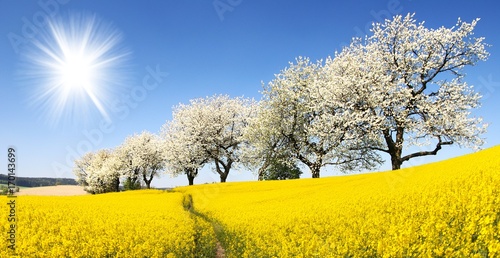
262, 143
293, 123
406, 81
81, 168
213, 127
128, 169
183, 153
141, 157
101, 175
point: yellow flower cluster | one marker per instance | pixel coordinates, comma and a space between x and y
132, 224
445, 209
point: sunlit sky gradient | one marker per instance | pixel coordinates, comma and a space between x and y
180, 50
73, 67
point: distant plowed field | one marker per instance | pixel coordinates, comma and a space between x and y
60, 190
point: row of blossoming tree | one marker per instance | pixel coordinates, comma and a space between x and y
402, 86
134, 164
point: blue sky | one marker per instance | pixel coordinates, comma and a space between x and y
205, 51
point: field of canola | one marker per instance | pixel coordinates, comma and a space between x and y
145, 223
445, 209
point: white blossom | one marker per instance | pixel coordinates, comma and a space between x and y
212, 129
183, 153
407, 81
300, 120
101, 177
141, 157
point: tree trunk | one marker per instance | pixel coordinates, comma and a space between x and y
315, 169
263, 169
396, 160
191, 174
131, 183
190, 178
395, 148
117, 184
223, 173
146, 181
261, 176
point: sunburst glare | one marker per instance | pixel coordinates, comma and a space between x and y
74, 69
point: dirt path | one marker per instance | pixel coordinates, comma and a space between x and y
218, 230
221, 253
188, 205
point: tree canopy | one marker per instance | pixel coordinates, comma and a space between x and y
410, 79
400, 91
207, 129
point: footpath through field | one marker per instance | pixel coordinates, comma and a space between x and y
216, 226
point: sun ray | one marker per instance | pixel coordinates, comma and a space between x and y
74, 69
98, 104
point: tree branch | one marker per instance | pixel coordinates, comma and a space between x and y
379, 149
426, 153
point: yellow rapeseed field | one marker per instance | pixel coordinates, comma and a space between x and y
145, 223
445, 209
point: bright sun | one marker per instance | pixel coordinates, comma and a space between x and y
76, 72
75, 65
